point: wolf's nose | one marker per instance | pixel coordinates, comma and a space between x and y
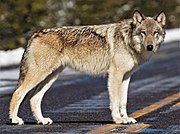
149, 47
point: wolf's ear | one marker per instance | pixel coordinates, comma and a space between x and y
137, 17
161, 18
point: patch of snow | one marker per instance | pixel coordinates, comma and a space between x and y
11, 57
172, 35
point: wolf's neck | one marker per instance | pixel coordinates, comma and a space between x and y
140, 53
146, 55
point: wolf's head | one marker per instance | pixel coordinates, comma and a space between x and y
148, 31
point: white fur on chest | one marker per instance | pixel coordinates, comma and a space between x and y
124, 61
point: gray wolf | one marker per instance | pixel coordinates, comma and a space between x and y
114, 49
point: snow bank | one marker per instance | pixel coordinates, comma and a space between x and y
8, 58
11, 57
172, 35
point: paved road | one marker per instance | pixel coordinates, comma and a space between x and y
79, 103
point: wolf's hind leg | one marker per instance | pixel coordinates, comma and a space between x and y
37, 96
22, 89
29, 82
16, 100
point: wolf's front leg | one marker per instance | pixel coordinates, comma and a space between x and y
114, 84
123, 102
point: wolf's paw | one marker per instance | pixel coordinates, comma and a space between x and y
45, 121
125, 120
17, 121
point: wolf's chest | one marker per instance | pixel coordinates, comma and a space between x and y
125, 61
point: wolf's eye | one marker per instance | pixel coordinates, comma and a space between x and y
156, 32
143, 33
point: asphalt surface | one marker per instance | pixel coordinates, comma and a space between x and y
78, 103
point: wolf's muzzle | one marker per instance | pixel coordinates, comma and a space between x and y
149, 47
